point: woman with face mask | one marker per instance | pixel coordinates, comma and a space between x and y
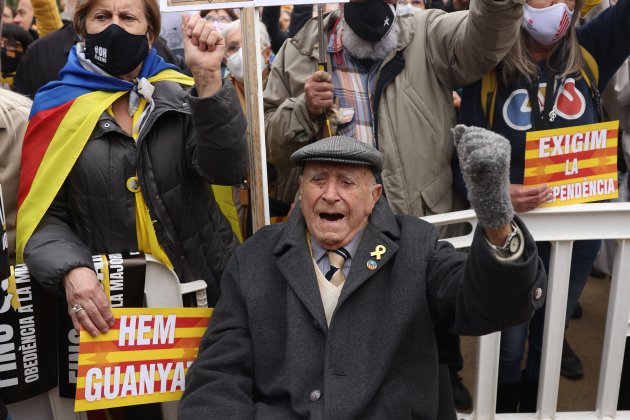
13, 42
119, 153
541, 86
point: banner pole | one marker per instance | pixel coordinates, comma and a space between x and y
258, 188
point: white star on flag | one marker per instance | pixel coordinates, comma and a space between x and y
386, 22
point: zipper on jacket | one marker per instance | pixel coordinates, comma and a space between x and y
148, 198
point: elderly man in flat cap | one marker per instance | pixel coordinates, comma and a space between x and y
331, 314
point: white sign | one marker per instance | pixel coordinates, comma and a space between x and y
195, 5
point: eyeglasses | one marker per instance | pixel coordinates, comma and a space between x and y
11, 45
218, 19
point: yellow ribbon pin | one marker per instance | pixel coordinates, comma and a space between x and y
378, 251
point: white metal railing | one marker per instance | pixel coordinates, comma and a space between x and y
561, 226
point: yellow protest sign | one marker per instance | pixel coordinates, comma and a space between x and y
142, 359
578, 163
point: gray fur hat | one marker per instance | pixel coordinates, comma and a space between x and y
340, 149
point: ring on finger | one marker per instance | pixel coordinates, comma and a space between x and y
76, 308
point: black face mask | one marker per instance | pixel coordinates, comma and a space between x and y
9, 63
371, 20
115, 50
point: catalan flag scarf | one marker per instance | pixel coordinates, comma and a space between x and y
62, 119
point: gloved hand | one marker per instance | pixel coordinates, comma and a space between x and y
484, 158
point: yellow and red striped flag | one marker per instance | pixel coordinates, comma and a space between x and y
142, 359
578, 163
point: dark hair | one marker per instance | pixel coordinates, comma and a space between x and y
151, 12
17, 33
231, 13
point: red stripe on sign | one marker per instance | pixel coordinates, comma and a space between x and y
112, 346
123, 365
605, 171
554, 160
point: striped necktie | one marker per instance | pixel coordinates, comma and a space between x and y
337, 258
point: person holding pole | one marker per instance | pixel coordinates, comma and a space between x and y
389, 84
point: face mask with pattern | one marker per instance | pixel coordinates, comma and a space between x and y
115, 50
547, 25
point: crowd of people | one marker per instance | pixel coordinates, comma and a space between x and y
122, 128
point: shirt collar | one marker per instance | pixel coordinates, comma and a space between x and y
319, 252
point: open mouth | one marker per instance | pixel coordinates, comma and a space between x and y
331, 217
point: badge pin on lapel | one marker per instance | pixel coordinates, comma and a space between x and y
378, 251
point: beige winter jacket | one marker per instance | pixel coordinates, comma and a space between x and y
441, 52
14, 110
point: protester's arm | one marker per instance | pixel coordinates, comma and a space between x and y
216, 145
62, 264
606, 38
288, 124
203, 49
271, 17
485, 293
219, 383
47, 16
463, 46
301, 14
492, 290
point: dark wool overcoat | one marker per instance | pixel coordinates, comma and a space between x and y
269, 354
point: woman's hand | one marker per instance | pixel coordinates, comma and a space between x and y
203, 49
87, 303
526, 198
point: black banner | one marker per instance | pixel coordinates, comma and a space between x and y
122, 276
27, 327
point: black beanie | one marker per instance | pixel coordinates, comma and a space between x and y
371, 20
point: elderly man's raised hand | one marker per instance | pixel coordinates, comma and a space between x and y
203, 48
318, 90
484, 158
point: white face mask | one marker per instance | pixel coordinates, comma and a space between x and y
547, 25
235, 65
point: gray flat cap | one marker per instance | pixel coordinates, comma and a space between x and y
340, 149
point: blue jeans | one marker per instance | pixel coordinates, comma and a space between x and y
513, 339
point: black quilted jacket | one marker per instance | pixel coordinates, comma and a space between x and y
185, 144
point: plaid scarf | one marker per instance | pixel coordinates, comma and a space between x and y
353, 89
